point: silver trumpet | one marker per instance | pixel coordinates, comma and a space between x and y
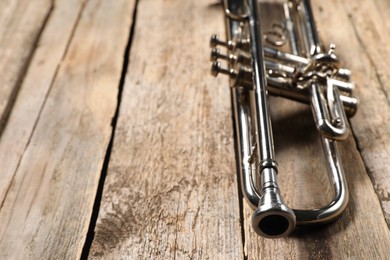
306, 73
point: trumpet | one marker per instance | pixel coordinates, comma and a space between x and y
258, 66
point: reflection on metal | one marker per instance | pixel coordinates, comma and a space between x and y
307, 73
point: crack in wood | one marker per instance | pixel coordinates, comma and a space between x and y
99, 193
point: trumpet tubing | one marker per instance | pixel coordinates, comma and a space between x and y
307, 73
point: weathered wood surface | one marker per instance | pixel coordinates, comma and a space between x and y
37, 83
171, 189
368, 54
21, 23
54, 144
361, 233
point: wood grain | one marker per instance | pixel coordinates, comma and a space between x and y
46, 209
367, 53
171, 190
143, 185
35, 88
361, 233
382, 7
21, 22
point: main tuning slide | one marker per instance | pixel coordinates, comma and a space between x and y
309, 73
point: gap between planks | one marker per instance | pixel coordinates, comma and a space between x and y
39, 245
96, 207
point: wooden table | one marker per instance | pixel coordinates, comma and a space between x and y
117, 144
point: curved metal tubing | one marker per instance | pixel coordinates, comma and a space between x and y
272, 218
334, 130
325, 214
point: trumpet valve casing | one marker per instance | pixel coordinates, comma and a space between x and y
303, 71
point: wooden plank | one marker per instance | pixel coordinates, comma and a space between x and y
368, 55
361, 233
383, 7
48, 204
37, 83
171, 188
21, 22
